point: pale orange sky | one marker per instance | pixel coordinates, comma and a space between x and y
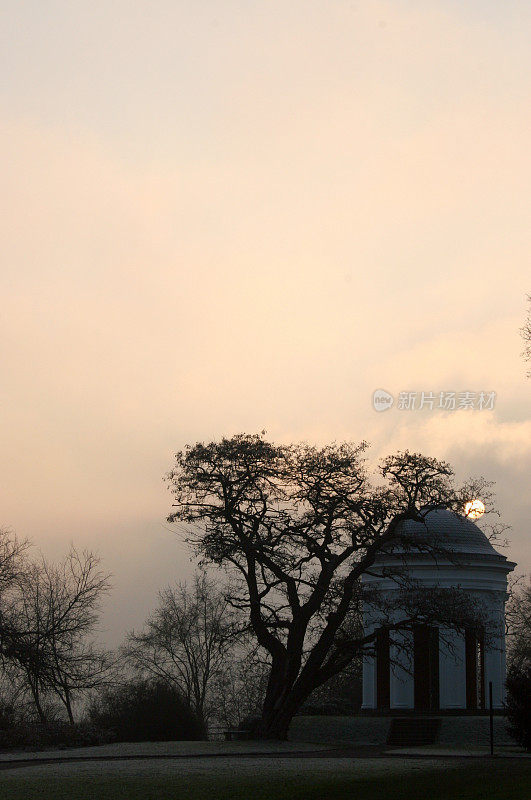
229, 216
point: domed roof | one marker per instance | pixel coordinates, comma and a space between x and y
449, 530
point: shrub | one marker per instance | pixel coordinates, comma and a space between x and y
146, 710
36, 736
518, 704
7, 716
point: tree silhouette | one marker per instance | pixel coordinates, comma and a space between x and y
298, 527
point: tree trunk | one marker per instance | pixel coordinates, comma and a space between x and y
37, 701
280, 706
68, 705
275, 725
276, 728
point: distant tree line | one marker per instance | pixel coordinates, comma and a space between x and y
190, 665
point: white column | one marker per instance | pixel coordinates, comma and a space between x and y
452, 669
402, 683
369, 667
369, 682
495, 662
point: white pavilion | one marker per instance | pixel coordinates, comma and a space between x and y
429, 669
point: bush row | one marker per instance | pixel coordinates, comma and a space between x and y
141, 710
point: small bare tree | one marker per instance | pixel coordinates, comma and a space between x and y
56, 616
13, 560
13, 565
186, 641
238, 692
518, 622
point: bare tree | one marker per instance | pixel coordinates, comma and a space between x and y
518, 683
13, 559
518, 622
239, 690
299, 526
13, 565
187, 641
56, 617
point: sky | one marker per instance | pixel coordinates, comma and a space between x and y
223, 217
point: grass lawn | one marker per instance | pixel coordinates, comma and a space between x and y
488, 780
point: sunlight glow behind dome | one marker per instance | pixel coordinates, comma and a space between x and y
474, 509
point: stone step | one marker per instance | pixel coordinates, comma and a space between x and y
406, 731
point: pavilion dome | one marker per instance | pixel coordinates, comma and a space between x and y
445, 550
451, 531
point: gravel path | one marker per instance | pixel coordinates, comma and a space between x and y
225, 759
226, 767
164, 749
